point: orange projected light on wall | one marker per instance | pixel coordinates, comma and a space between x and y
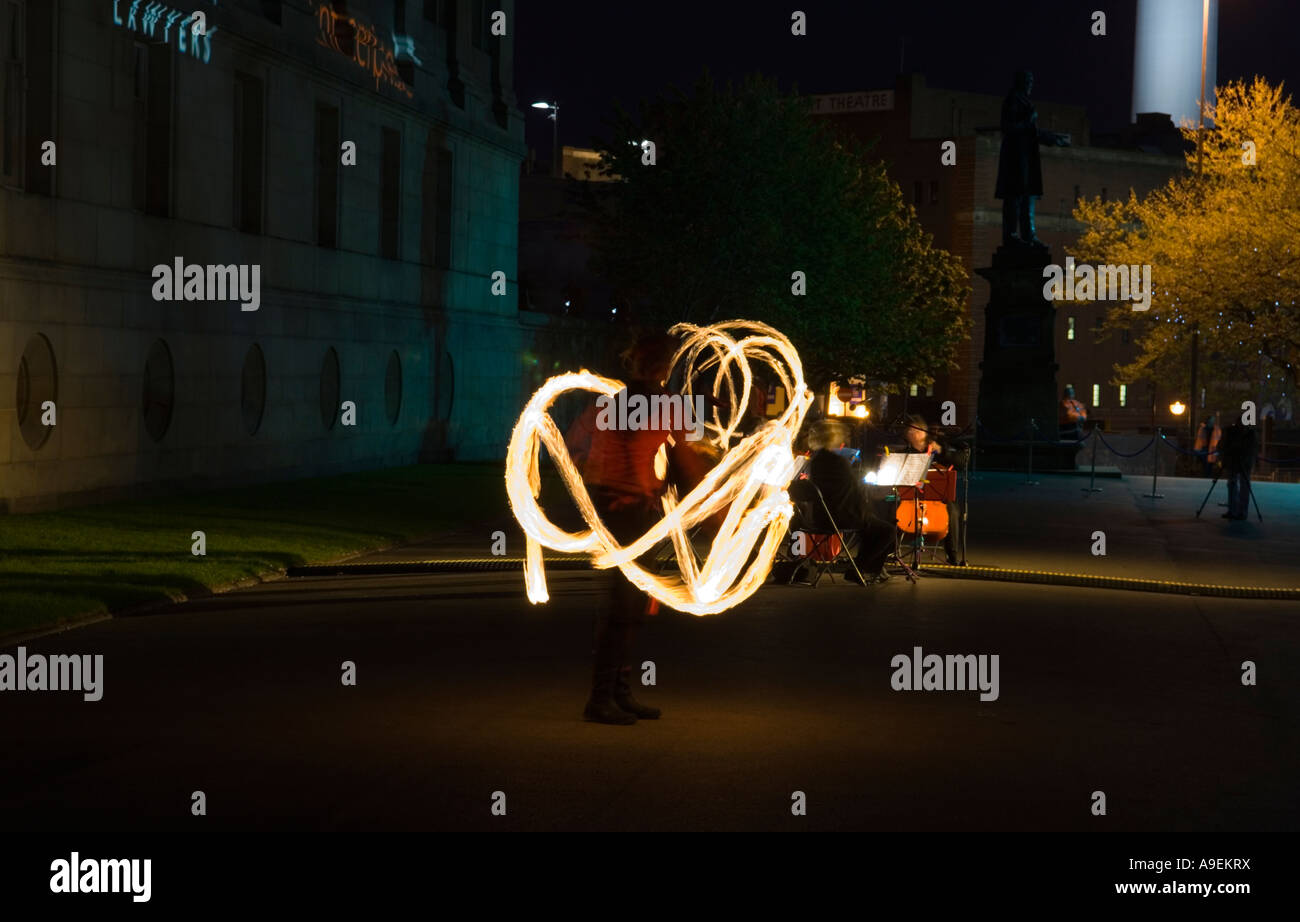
748, 482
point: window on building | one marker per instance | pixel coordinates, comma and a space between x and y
1123, 337
442, 242
12, 47
1078, 194
448, 13
327, 175
1103, 193
38, 383
39, 110
159, 393
918, 193
481, 24
153, 130
345, 32
248, 153
252, 389
389, 192
934, 192
1123, 395
445, 393
329, 388
1096, 395
436, 11
929, 390
1069, 328
140, 71
393, 388
405, 64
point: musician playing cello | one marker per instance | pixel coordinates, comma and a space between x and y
918, 438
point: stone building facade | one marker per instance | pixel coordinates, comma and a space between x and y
364, 156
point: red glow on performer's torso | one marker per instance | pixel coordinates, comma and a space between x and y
623, 460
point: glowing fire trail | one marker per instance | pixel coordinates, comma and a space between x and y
749, 482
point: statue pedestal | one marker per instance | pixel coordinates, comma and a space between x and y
1018, 373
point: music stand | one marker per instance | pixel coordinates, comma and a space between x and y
905, 470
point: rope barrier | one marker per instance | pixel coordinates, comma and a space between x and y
1120, 454
1194, 453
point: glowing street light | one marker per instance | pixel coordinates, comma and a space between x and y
554, 109
1177, 408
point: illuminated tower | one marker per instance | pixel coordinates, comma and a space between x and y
1167, 57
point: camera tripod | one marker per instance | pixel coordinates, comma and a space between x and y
1215, 483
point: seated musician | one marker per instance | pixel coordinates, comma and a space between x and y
919, 438
847, 500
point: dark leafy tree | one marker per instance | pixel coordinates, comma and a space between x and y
747, 189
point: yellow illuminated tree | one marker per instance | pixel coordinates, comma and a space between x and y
1223, 243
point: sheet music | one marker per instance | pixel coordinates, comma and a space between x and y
903, 469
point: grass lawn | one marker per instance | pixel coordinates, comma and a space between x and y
58, 565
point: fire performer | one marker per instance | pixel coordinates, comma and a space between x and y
626, 472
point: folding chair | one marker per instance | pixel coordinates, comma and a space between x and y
922, 514
827, 542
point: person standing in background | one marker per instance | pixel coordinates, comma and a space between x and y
1238, 453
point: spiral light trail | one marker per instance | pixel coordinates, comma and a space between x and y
748, 483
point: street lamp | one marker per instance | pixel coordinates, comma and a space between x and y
1205, 41
1177, 408
1200, 172
554, 109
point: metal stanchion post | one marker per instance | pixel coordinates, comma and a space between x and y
1155, 465
1029, 470
1092, 479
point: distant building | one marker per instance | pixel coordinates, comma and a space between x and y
909, 124
230, 144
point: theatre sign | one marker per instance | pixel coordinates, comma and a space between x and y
842, 103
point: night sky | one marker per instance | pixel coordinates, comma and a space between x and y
588, 54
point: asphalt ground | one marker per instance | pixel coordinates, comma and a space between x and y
464, 689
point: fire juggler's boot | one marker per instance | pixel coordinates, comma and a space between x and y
623, 696
601, 707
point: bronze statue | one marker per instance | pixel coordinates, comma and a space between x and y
1020, 170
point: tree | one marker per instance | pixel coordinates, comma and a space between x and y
746, 190
1224, 248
